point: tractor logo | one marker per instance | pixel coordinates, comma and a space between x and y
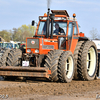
33, 42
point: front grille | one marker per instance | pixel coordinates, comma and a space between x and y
32, 43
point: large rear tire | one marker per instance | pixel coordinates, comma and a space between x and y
17, 57
3, 60
77, 54
6, 60
66, 67
88, 61
11, 58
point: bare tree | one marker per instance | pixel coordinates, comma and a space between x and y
94, 33
99, 36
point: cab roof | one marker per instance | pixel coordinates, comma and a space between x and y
60, 12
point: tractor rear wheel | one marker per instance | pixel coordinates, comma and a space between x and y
3, 60
12, 59
13, 56
17, 57
17, 60
77, 54
88, 61
6, 60
66, 67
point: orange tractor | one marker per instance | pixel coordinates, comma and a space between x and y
58, 52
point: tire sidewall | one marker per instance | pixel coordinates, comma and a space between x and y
84, 60
65, 77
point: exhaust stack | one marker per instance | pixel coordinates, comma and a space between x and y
52, 20
48, 20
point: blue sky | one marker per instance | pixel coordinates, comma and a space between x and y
14, 13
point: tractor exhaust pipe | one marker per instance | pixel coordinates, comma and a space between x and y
47, 29
52, 19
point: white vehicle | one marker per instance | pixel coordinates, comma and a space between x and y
97, 42
7, 45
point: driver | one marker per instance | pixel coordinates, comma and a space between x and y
58, 30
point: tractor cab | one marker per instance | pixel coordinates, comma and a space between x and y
57, 30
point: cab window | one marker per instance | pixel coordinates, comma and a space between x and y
75, 30
70, 31
42, 27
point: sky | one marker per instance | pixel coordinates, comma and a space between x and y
15, 13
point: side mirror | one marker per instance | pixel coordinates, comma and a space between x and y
33, 22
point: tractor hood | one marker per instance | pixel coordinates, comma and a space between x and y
40, 45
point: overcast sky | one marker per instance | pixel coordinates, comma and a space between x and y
14, 13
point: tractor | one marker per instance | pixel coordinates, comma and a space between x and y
59, 55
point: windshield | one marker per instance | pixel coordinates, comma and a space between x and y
57, 27
1, 45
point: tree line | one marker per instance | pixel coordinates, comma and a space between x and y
18, 34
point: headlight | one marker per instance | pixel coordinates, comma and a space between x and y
28, 50
36, 51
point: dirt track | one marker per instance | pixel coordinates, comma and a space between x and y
42, 90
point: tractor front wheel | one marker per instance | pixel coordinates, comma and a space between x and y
66, 67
